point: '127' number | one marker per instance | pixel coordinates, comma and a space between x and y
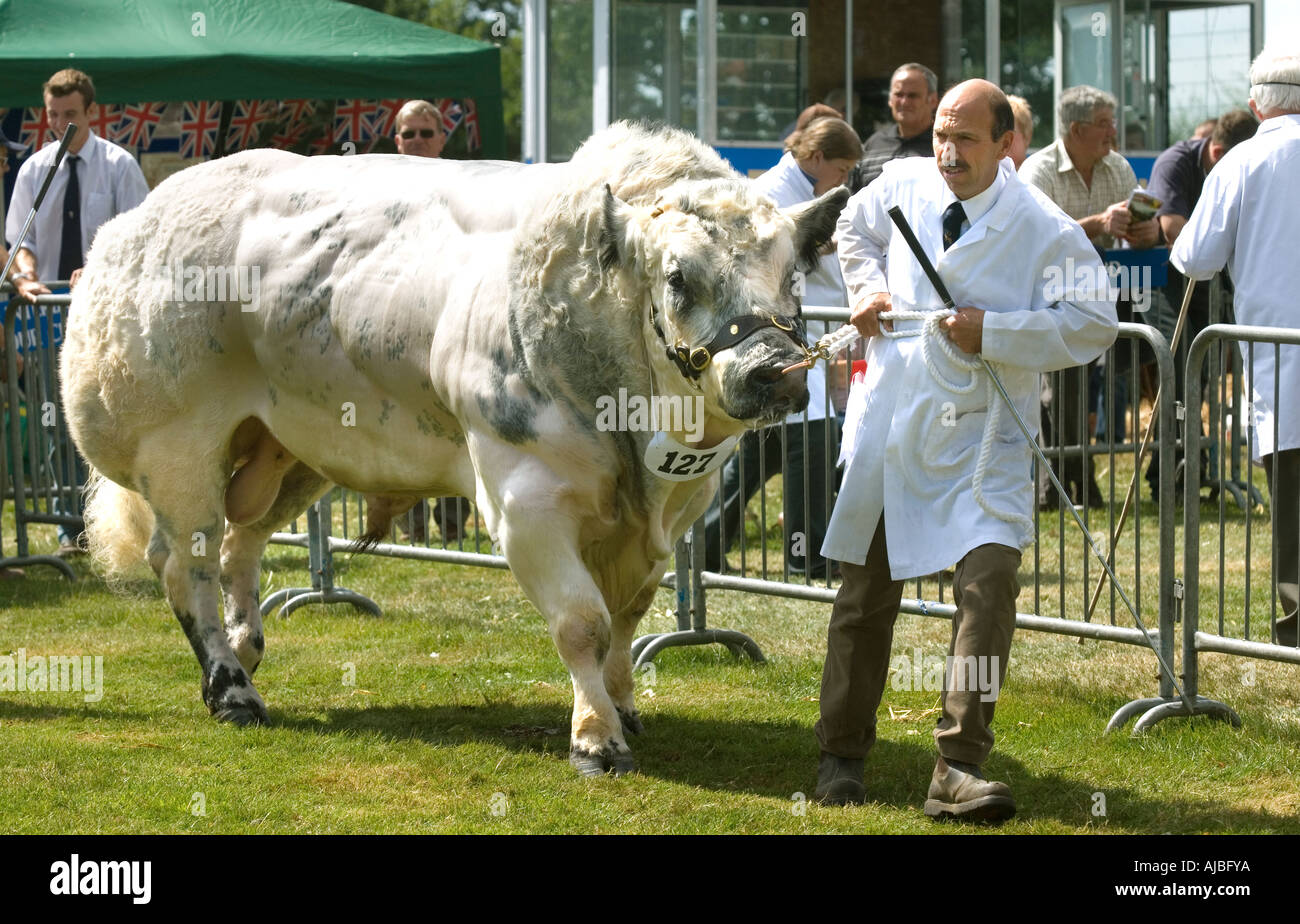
688, 459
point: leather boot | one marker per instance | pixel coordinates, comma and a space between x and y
839, 781
959, 791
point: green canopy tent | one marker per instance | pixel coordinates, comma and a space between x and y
177, 50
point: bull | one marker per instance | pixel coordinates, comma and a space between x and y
429, 328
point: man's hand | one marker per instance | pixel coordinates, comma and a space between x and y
1143, 234
864, 316
966, 328
30, 288
72, 280
1115, 220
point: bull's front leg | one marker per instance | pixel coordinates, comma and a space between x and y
619, 682
542, 550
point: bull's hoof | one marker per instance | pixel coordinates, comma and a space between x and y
598, 763
631, 722
623, 764
243, 714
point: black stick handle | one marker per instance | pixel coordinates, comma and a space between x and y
896, 214
68, 135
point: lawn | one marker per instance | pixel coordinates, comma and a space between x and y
450, 714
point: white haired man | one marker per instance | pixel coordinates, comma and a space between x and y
1246, 220
1083, 174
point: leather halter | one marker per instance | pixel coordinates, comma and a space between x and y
692, 361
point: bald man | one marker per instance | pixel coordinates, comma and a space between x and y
953, 482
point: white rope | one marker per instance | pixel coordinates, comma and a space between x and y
931, 332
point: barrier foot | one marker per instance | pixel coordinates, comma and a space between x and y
53, 561
1128, 710
646, 647
1245, 495
1155, 709
304, 596
277, 599
1201, 706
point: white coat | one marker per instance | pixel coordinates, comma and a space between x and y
787, 185
911, 445
1246, 219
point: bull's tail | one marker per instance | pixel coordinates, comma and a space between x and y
119, 524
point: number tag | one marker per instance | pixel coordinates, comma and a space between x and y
672, 461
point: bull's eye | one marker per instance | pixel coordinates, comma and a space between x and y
681, 293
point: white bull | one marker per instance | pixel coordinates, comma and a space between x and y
430, 328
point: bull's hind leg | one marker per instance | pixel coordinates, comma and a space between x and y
543, 556
188, 506
241, 562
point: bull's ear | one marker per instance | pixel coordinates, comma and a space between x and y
815, 225
616, 223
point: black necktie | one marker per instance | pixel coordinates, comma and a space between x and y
953, 216
71, 257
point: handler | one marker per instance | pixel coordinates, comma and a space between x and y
916, 431
1246, 220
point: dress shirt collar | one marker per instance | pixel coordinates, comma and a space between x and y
977, 205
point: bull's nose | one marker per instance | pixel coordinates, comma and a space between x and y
790, 386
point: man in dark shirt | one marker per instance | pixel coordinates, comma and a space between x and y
1176, 180
913, 97
1179, 172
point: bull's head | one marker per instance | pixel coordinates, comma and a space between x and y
719, 262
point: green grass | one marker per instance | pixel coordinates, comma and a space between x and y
425, 743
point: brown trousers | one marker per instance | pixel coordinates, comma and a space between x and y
861, 633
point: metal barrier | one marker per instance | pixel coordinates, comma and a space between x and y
1224, 399
320, 565
43, 468
1223, 428
321, 545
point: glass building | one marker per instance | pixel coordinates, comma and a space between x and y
737, 72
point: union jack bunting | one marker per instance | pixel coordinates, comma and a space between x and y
199, 128
136, 125
386, 118
246, 122
104, 122
472, 141
354, 120
294, 111
287, 136
35, 129
451, 114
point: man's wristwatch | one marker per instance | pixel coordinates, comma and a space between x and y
26, 275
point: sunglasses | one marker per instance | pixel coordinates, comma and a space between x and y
410, 133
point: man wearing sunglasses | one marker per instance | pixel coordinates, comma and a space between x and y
419, 133
419, 129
